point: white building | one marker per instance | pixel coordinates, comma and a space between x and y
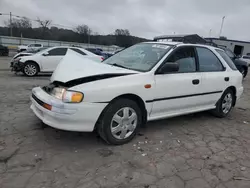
238, 47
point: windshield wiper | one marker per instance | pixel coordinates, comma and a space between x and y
117, 65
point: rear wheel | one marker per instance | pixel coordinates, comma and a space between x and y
120, 121
225, 104
30, 69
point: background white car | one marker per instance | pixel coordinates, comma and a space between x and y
30, 46
48, 59
246, 58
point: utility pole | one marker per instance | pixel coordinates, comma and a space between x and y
89, 36
210, 32
222, 22
10, 24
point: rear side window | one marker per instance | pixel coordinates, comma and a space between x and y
246, 57
78, 51
58, 52
38, 45
208, 62
227, 59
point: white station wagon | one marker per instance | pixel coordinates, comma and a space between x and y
145, 82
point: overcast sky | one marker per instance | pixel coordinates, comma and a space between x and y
144, 18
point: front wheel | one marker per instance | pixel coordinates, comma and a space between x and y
225, 104
30, 69
120, 121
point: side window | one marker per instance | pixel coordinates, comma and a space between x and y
37, 45
246, 57
58, 52
227, 59
185, 57
31, 45
208, 61
78, 51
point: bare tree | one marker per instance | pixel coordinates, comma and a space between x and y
85, 31
19, 26
19, 23
44, 24
124, 32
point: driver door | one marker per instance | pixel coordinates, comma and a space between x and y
50, 61
178, 92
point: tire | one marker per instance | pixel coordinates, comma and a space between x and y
30, 69
243, 71
124, 117
225, 104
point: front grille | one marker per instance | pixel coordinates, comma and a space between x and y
38, 100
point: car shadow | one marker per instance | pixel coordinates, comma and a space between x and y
59, 138
37, 76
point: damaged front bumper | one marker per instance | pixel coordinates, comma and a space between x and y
16, 66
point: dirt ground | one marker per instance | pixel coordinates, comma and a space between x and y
193, 151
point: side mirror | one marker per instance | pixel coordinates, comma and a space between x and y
45, 53
168, 67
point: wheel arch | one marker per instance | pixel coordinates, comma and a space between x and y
132, 97
31, 61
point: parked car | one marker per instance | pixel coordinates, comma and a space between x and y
118, 96
47, 60
106, 55
246, 58
27, 52
4, 51
242, 66
96, 51
30, 46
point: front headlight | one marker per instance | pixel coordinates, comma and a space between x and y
67, 96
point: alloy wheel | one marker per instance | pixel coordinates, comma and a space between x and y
30, 70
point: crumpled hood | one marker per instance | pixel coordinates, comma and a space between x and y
22, 53
74, 66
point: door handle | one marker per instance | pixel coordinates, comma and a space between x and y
226, 79
196, 81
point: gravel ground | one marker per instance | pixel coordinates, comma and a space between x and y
194, 151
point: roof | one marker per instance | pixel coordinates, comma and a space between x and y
182, 44
189, 38
173, 36
229, 40
165, 42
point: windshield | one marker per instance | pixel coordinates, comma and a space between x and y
140, 57
229, 53
42, 50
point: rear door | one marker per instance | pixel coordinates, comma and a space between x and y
50, 61
215, 78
